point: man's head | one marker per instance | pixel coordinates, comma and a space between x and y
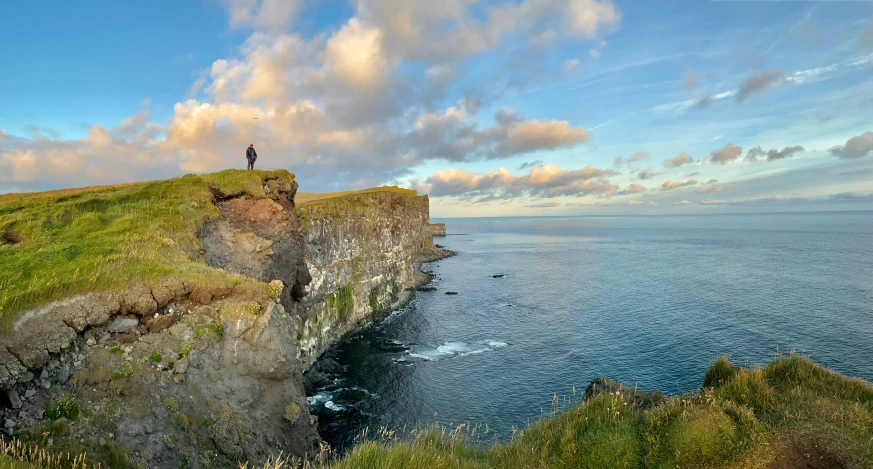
251, 145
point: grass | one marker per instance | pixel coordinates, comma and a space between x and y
747, 418
307, 197
744, 418
96, 238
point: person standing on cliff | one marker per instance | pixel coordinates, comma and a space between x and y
251, 155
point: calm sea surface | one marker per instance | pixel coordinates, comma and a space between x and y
645, 300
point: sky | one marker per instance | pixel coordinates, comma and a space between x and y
492, 107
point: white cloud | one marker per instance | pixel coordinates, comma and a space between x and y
673, 185
544, 181
262, 14
679, 160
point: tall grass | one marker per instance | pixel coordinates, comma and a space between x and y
98, 239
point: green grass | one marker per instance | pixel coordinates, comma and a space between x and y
745, 419
96, 238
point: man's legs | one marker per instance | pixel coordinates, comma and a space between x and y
251, 164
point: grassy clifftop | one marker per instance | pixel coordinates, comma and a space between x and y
61, 243
792, 413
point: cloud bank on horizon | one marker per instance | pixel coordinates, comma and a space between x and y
597, 105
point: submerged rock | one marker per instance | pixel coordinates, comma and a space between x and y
451, 293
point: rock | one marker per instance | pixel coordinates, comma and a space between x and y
160, 323
9, 423
102, 441
46, 384
52, 364
77, 363
80, 357
640, 399
44, 375
128, 338
90, 342
497, 276
181, 366
29, 393
451, 293
214, 376
26, 377
122, 324
64, 374
426, 289
14, 400
104, 338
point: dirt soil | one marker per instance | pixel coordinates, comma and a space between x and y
798, 453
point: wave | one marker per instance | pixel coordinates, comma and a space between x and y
452, 349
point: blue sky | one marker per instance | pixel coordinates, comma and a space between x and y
522, 107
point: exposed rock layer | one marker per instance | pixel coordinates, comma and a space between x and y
178, 374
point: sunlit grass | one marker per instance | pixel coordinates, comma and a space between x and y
61, 243
741, 422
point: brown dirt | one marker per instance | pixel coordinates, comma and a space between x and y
797, 453
12, 238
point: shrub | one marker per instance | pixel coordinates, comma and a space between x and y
719, 373
64, 406
230, 430
155, 357
124, 370
274, 289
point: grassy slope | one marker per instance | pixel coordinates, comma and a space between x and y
307, 197
95, 239
746, 419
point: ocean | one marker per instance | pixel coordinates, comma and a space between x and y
647, 300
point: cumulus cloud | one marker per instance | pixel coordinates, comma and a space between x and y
725, 155
709, 188
757, 83
449, 29
679, 160
544, 181
646, 174
856, 147
632, 189
360, 105
683, 202
758, 153
639, 156
673, 185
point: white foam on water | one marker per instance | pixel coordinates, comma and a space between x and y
495, 344
320, 397
331, 405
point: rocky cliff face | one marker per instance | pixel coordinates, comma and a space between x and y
361, 251
177, 374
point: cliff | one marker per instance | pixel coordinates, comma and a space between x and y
168, 323
361, 249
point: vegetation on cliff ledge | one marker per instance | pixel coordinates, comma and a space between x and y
61, 243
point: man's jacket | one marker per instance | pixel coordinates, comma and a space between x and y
251, 154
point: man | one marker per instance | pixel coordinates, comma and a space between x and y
251, 155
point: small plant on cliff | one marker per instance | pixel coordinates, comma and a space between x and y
185, 350
254, 308
274, 289
155, 357
172, 404
205, 330
124, 370
230, 430
65, 406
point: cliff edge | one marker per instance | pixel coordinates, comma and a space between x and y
168, 323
